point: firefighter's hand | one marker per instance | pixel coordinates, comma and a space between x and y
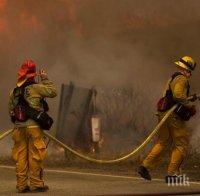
42, 73
194, 98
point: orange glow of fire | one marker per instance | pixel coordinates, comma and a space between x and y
2, 24
72, 14
31, 22
3, 4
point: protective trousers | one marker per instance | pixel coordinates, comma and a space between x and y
173, 130
28, 152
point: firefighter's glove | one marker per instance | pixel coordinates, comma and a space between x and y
194, 98
192, 110
42, 72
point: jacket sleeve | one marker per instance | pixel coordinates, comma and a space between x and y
46, 88
180, 89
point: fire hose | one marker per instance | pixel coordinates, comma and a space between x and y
6, 134
132, 153
125, 157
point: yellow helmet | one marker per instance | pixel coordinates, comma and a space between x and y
187, 63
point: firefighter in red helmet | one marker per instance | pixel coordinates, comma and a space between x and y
29, 150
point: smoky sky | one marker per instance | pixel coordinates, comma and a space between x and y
98, 42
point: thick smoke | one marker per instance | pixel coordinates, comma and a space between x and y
98, 42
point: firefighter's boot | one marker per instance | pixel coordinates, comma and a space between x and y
40, 189
144, 173
25, 190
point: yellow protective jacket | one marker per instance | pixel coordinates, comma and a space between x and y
33, 95
180, 89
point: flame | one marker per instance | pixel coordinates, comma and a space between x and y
70, 13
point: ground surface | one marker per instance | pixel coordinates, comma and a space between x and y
63, 182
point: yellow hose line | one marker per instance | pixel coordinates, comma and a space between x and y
135, 151
3, 135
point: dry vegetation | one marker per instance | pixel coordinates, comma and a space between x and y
126, 122
125, 119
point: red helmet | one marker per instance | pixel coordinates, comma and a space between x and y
27, 71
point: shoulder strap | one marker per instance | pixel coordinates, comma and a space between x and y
18, 92
168, 91
174, 76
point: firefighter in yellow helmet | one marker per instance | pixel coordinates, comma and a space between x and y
174, 129
28, 112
